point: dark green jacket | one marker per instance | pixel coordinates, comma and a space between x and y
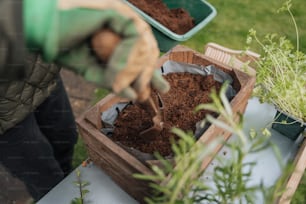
25, 81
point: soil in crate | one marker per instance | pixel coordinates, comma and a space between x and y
177, 20
187, 91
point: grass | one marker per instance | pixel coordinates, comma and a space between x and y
235, 17
80, 153
230, 28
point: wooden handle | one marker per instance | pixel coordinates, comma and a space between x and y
149, 106
104, 43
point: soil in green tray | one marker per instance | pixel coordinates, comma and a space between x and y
187, 91
177, 20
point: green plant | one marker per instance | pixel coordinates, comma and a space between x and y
183, 184
177, 183
232, 176
80, 153
99, 94
82, 189
281, 71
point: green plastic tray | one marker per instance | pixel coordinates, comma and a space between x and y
200, 10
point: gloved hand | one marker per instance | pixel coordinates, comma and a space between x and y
61, 31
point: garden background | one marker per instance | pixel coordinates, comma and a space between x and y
230, 28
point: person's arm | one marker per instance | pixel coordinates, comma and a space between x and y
12, 46
62, 31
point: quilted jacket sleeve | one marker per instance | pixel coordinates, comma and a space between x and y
12, 46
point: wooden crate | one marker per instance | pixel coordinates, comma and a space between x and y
121, 165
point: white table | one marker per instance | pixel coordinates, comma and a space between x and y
104, 190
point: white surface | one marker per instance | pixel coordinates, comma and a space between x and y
267, 168
104, 190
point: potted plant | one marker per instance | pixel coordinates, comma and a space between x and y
121, 163
281, 79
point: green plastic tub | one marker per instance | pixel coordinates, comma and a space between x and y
200, 10
292, 129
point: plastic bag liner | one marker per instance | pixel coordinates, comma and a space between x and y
109, 116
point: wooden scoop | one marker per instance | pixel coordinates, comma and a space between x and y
157, 118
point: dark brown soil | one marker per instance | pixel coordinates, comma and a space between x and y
177, 20
187, 91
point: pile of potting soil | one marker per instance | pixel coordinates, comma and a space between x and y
177, 20
187, 91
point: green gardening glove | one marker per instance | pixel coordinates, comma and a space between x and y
61, 31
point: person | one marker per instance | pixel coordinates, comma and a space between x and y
37, 38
